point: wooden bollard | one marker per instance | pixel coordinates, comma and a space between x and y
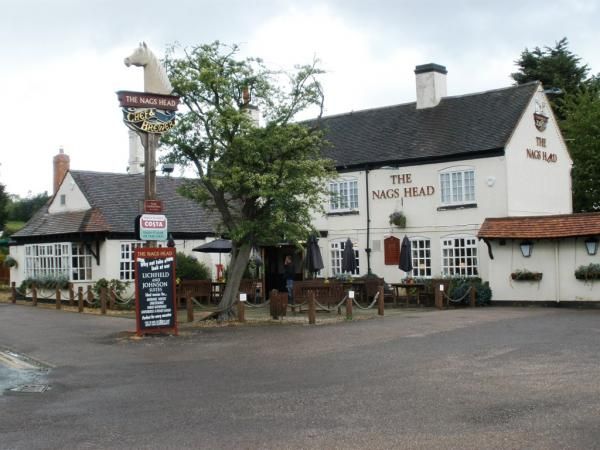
348, 308
312, 309
80, 298
439, 296
473, 295
58, 299
13, 292
103, 292
90, 295
112, 300
189, 304
71, 295
241, 311
380, 302
274, 305
33, 294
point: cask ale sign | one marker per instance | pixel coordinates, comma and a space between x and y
155, 305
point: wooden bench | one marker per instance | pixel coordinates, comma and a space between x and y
198, 289
327, 294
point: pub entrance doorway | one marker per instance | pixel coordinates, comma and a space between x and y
273, 259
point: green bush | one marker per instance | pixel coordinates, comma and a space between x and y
117, 286
460, 285
46, 282
189, 268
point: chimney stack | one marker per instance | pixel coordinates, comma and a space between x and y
136, 154
431, 85
249, 109
62, 164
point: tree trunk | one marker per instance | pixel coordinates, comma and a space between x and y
239, 261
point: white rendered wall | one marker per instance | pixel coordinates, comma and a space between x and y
536, 186
74, 198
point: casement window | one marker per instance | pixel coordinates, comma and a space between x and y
70, 260
337, 251
126, 260
343, 195
421, 257
457, 185
459, 256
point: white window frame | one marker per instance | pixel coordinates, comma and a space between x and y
127, 259
457, 185
343, 195
67, 259
421, 256
336, 254
460, 256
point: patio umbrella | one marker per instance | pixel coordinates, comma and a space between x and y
348, 258
405, 256
314, 260
217, 246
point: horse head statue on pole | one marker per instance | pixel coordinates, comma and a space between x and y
155, 75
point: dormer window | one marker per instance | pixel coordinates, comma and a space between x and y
343, 195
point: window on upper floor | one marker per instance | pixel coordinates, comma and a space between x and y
459, 256
343, 195
457, 185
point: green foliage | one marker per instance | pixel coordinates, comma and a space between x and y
3, 206
22, 209
8, 261
581, 128
117, 286
460, 285
262, 181
589, 272
11, 227
46, 282
189, 268
526, 275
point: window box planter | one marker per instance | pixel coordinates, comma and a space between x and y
526, 275
588, 273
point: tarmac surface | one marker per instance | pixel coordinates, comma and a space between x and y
467, 378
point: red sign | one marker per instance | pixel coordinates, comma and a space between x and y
155, 295
153, 206
147, 100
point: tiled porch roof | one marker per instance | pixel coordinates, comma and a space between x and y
541, 227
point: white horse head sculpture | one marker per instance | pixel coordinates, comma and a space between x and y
155, 75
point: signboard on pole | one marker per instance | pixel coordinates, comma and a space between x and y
155, 297
153, 227
148, 112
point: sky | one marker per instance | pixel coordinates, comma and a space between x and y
61, 61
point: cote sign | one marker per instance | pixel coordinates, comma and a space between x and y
153, 227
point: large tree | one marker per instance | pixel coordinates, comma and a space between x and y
581, 128
3, 206
264, 181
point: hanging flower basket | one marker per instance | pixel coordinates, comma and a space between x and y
526, 275
398, 219
10, 262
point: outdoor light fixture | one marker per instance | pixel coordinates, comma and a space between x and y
591, 245
526, 248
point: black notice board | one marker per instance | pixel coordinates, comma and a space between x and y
155, 290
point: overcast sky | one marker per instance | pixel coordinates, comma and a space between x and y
61, 61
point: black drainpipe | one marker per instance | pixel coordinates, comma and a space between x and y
368, 249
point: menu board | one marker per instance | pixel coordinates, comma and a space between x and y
155, 290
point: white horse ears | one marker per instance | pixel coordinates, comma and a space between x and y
144, 45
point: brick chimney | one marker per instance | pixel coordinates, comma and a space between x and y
431, 85
61, 167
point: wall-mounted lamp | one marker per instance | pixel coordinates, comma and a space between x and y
591, 245
526, 248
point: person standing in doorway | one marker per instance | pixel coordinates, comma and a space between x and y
288, 273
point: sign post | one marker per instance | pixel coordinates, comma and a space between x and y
155, 296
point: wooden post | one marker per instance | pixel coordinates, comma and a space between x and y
473, 295
189, 304
274, 306
103, 300
241, 311
33, 294
380, 301
312, 309
80, 298
112, 299
13, 292
71, 295
58, 299
439, 298
90, 295
348, 308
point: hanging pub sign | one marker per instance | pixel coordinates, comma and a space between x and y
148, 112
155, 296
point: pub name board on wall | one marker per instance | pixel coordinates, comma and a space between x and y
147, 112
404, 180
